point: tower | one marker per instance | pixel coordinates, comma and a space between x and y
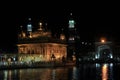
71, 30
71, 37
29, 28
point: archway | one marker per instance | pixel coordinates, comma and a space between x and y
104, 52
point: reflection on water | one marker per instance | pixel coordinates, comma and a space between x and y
83, 72
8, 75
104, 71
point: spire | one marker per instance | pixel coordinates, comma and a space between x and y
71, 16
22, 34
29, 25
29, 28
41, 29
62, 36
71, 21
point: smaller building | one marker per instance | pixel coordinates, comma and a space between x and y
103, 50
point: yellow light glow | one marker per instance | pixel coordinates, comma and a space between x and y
40, 23
102, 40
105, 72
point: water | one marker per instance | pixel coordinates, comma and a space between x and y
82, 72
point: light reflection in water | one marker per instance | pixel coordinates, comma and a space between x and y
5, 75
9, 75
111, 71
105, 72
83, 72
53, 74
74, 76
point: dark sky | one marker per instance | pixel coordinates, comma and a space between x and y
93, 19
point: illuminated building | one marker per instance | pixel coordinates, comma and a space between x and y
40, 45
104, 50
72, 37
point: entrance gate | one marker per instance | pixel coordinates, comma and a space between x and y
103, 51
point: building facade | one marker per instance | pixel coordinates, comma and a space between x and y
40, 45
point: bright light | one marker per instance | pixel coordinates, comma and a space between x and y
71, 23
40, 23
96, 57
102, 40
111, 56
29, 27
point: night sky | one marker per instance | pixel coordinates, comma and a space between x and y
93, 20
